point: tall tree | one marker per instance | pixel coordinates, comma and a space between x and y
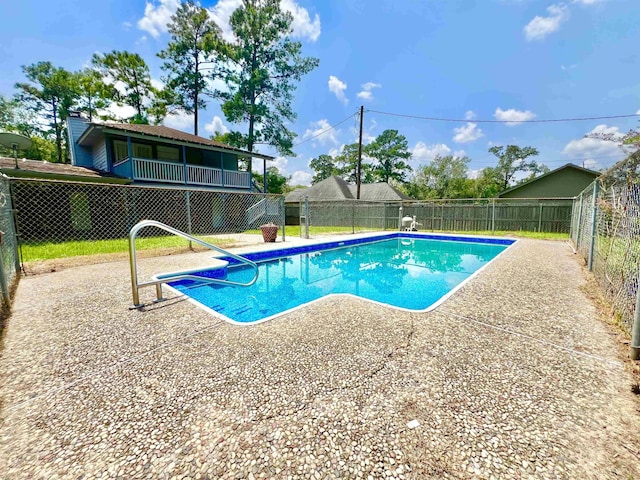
446, 177
51, 94
260, 70
324, 166
130, 74
194, 36
276, 182
627, 170
94, 94
347, 164
390, 150
513, 159
8, 107
488, 184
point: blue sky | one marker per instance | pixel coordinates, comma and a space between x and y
470, 60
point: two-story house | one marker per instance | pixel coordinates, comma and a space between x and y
158, 155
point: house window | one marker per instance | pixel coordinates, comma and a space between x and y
142, 151
120, 150
169, 154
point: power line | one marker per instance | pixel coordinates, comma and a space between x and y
568, 160
326, 130
458, 120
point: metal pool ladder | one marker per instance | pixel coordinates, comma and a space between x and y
136, 286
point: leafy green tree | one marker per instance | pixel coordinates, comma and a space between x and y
50, 94
276, 182
8, 107
131, 74
626, 171
260, 70
347, 165
513, 159
94, 94
324, 167
445, 177
194, 36
389, 150
488, 184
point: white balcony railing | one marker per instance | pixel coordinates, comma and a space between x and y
171, 172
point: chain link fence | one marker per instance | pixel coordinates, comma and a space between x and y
474, 215
9, 261
606, 233
77, 216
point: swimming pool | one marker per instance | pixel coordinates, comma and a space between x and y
408, 271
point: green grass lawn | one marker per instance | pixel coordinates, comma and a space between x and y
46, 251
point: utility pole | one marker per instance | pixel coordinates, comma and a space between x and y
359, 169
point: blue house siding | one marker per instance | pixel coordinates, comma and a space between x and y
100, 156
80, 156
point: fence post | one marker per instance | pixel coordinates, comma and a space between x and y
353, 217
579, 225
594, 226
400, 217
540, 220
17, 244
306, 217
635, 331
283, 209
493, 217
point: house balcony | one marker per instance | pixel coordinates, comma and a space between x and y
149, 170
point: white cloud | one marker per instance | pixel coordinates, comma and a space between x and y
157, 16
216, 125
588, 149
337, 87
540, 27
303, 26
469, 115
221, 13
120, 112
638, 112
588, 2
459, 153
512, 116
316, 132
423, 153
127, 26
366, 92
180, 121
334, 152
300, 177
468, 133
279, 162
157, 84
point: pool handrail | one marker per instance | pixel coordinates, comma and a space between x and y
136, 286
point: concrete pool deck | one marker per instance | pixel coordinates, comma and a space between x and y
512, 377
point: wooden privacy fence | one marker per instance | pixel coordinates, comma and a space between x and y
534, 215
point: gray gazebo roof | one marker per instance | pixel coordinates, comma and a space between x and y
335, 188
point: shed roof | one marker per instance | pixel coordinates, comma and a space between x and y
336, 188
44, 169
563, 167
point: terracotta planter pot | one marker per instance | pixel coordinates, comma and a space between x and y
269, 232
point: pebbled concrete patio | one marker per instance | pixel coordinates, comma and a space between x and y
513, 377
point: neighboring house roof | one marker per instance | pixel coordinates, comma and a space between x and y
164, 133
566, 181
49, 170
335, 188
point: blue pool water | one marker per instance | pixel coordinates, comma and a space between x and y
406, 271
